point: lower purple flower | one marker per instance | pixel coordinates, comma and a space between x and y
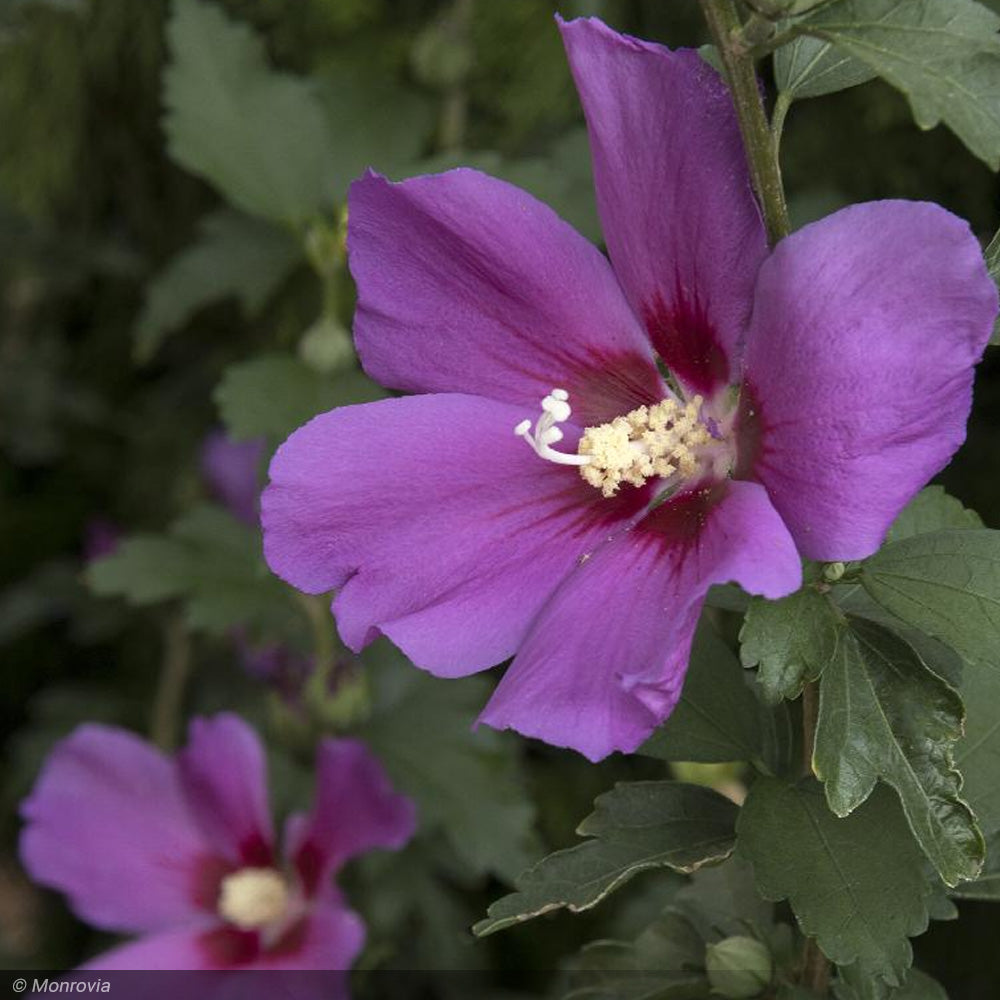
182, 851
813, 390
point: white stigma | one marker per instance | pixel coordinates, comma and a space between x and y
555, 410
252, 898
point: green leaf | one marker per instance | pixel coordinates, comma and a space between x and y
811, 67
790, 641
209, 560
978, 754
259, 136
416, 907
932, 510
884, 714
920, 986
944, 55
664, 962
722, 901
273, 394
465, 781
379, 125
856, 884
992, 254
635, 827
987, 886
234, 255
717, 718
728, 597
853, 984
946, 584
939, 903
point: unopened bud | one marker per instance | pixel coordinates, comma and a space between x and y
326, 346
832, 572
738, 967
442, 56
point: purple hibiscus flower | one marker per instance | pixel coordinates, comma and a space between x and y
229, 468
812, 391
182, 851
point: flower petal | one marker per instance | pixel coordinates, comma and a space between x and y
328, 938
859, 368
469, 284
605, 661
180, 949
224, 776
681, 224
107, 824
444, 531
356, 809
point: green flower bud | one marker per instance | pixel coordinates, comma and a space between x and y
738, 967
325, 245
326, 346
441, 55
832, 572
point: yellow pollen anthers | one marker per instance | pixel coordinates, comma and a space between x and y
658, 440
252, 898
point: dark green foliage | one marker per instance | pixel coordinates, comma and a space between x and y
634, 827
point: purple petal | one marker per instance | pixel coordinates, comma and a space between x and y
356, 809
676, 205
172, 950
468, 284
107, 825
865, 332
230, 469
604, 663
328, 938
444, 530
224, 776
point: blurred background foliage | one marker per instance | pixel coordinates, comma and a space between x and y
150, 291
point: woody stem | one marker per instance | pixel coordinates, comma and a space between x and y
761, 145
724, 24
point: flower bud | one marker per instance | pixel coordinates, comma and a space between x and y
442, 56
832, 572
326, 346
738, 967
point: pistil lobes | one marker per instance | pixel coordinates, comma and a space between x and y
659, 440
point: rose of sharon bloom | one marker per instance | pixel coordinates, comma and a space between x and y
229, 469
182, 851
812, 391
